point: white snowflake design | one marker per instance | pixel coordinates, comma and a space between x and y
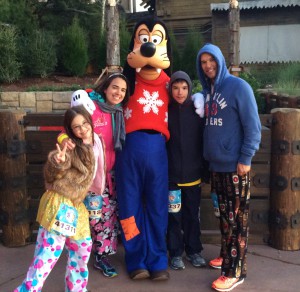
166, 117
150, 102
127, 113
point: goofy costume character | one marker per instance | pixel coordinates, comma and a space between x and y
142, 166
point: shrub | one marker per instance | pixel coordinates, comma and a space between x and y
176, 59
125, 37
197, 87
74, 49
194, 42
9, 64
19, 13
255, 84
39, 57
289, 79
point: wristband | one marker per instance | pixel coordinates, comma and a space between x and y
61, 137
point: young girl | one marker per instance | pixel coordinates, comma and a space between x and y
63, 218
108, 98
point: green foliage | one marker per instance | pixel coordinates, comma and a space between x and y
194, 42
72, 87
39, 58
176, 58
280, 78
289, 72
20, 13
74, 49
97, 47
289, 79
60, 14
125, 37
9, 64
266, 77
196, 86
5, 11
255, 84
101, 60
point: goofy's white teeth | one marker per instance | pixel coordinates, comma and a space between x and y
138, 70
158, 70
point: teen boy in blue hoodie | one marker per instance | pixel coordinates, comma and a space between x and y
231, 137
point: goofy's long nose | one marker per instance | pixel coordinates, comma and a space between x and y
148, 49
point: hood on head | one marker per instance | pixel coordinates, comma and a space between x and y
183, 76
222, 69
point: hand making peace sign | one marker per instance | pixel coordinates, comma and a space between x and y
61, 154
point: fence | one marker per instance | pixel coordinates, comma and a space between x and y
23, 151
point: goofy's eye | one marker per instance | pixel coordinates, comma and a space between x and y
156, 39
144, 38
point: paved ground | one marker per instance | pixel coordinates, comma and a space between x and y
268, 270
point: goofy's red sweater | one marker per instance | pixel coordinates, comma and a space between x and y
147, 108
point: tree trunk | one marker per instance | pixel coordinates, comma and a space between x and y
113, 42
102, 26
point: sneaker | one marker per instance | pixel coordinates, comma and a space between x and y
226, 284
216, 263
197, 260
176, 263
102, 263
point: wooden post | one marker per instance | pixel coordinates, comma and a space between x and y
285, 179
112, 40
13, 196
234, 34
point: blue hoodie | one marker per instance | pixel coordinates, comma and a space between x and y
233, 131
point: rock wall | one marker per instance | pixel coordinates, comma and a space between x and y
37, 101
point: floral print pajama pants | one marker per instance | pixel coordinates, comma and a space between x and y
105, 230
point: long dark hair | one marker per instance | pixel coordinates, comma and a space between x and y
80, 149
107, 81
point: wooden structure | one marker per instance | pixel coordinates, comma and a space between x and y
285, 184
234, 34
211, 18
39, 143
253, 16
182, 15
275, 100
24, 150
13, 199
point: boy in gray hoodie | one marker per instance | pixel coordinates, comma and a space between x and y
186, 168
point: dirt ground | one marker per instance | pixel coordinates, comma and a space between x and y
54, 81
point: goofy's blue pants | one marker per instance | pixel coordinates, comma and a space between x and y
142, 191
